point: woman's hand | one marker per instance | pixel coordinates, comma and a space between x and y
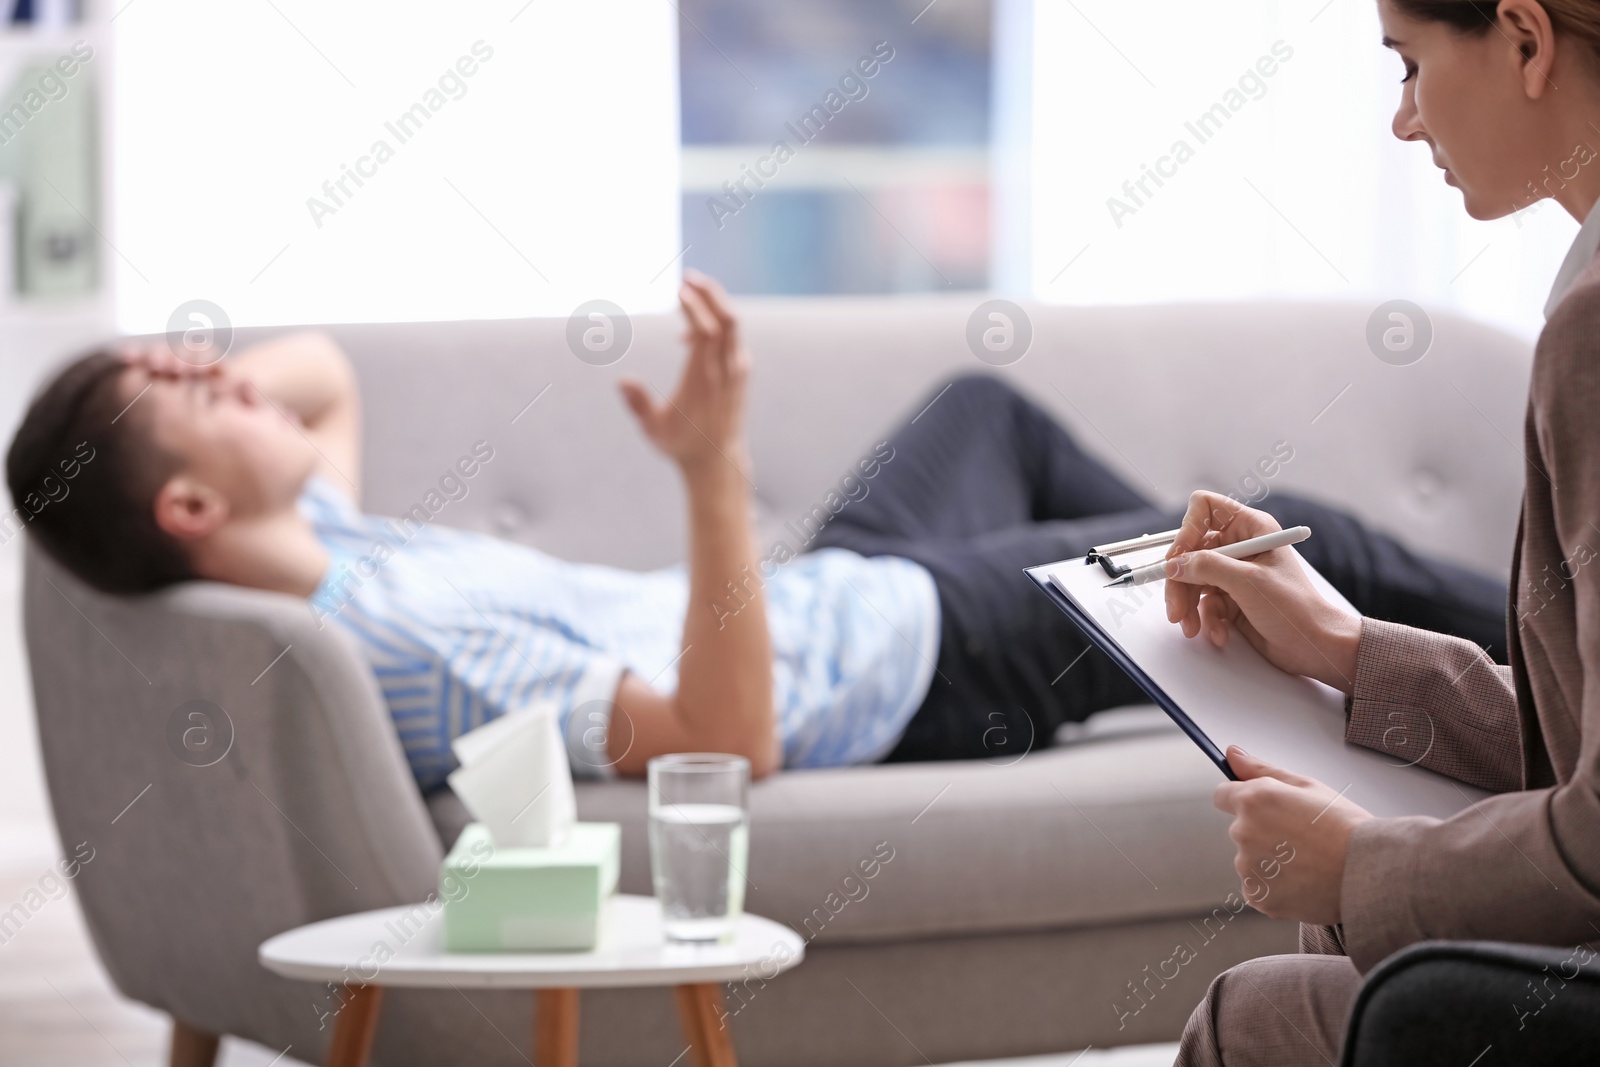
1292, 834
1268, 598
702, 424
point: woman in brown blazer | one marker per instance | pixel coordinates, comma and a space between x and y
1507, 96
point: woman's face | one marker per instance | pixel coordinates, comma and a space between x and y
1465, 96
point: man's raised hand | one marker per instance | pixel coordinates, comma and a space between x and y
702, 423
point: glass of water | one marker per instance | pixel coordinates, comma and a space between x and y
699, 842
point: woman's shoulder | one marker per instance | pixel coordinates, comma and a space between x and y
1580, 303
1564, 391
1566, 363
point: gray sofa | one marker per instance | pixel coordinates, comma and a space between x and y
1029, 905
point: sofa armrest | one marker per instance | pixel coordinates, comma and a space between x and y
299, 807
1467, 1002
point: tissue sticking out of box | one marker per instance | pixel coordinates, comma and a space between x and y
514, 778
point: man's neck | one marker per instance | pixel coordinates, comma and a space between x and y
277, 551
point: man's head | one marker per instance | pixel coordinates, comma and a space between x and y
180, 454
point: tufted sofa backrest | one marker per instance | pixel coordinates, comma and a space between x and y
1174, 396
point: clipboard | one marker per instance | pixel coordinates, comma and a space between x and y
1233, 696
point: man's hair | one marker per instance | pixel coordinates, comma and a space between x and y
83, 472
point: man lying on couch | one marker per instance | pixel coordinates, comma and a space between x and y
907, 631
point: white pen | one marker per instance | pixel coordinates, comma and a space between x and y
1238, 550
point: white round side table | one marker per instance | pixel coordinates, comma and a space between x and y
632, 952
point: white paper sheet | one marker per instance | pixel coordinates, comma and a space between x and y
1236, 697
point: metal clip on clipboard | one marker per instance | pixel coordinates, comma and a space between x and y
1102, 554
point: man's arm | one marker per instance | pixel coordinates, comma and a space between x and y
724, 698
307, 376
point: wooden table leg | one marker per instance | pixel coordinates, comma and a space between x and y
700, 1011
356, 1025
555, 1028
191, 1047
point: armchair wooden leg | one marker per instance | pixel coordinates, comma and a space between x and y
555, 1027
700, 1012
358, 1022
191, 1047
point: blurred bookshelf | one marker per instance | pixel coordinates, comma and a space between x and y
55, 281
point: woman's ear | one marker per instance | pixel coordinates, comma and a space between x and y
1525, 25
189, 510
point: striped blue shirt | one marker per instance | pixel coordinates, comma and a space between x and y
461, 627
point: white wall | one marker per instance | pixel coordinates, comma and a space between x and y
1303, 192
545, 179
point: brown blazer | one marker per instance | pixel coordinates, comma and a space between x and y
1523, 865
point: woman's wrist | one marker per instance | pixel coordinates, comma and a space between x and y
1342, 646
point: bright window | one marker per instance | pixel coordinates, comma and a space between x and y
393, 161
1188, 151
836, 146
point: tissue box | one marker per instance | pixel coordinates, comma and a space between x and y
529, 899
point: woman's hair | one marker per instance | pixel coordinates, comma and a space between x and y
1579, 19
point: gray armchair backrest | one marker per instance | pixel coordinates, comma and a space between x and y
309, 812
